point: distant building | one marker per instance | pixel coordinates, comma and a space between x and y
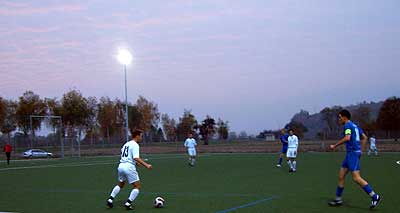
270, 137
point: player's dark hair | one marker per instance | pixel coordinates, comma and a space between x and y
136, 133
345, 113
291, 130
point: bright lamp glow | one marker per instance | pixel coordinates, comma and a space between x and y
124, 57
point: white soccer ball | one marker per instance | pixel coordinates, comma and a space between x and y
159, 202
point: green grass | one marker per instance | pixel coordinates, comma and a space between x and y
218, 182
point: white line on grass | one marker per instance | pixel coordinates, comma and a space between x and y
247, 205
85, 164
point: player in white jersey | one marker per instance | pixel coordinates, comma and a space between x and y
127, 170
293, 143
190, 144
372, 146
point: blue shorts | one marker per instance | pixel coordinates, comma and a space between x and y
284, 149
352, 161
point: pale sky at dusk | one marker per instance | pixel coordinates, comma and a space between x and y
253, 63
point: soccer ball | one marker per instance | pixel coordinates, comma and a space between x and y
159, 202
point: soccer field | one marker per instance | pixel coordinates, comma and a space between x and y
219, 183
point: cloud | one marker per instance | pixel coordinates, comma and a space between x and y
27, 30
26, 10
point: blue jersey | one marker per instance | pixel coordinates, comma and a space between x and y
284, 140
353, 145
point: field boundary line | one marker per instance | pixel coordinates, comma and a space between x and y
247, 205
92, 164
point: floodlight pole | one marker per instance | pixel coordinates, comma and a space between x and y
126, 107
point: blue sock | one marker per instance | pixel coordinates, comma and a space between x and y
367, 188
280, 161
339, 191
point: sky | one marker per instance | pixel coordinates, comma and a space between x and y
254, 63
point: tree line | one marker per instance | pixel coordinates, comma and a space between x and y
385, 121
102, 119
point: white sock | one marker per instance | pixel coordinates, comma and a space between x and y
115, 191
133, 195
294, 165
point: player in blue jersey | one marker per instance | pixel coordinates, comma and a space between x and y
284, 140
352, 137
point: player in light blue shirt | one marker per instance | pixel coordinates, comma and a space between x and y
352, 137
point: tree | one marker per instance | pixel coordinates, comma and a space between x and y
187, 124
222, 129
207, 129
75, 112
169, 126
9, 120
30, 104
2, 110
150, 115
135, 118
107, 117
298, 128
330, 116
91, 123
362, 116
389, 116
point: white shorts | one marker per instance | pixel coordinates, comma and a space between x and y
372, 147
127, 173
192, 152
291, 153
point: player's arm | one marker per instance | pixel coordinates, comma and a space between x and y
364, 141
342, 141
142, 162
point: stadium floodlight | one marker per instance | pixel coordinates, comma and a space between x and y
125, 58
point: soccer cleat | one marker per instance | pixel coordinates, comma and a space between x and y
336, 202
128, 207
278, 165
375, 203
109, 204
290, 170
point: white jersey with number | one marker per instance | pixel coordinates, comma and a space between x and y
191, 144
127, 165
129, 151
293, 143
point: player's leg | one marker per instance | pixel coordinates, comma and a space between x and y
369, 151
132, 196
340, 187
280, 158
367, 188
354, 167
294, 163
289, 155
114, 193
194, 156
376, 151
8, 154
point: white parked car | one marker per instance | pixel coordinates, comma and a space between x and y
37, 153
